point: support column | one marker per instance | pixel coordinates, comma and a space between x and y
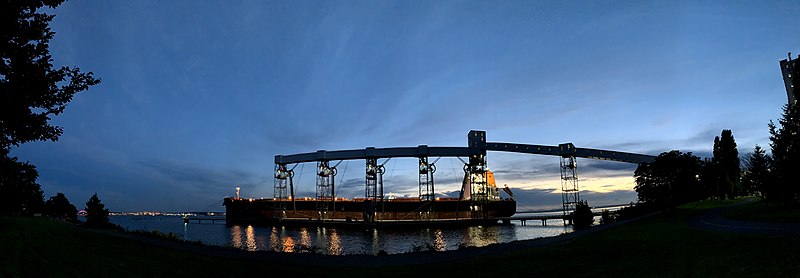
427, 191
475, 187
570, 192
282, 176
374, 180
325, 187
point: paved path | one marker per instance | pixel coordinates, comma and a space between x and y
714, 220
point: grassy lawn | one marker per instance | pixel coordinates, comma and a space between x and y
39, 247
766, 212
663, 245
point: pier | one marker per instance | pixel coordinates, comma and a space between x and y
200, 219
524, 219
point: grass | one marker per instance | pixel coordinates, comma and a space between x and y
39, 247
766, 212
662, 245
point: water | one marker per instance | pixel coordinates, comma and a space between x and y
341, 241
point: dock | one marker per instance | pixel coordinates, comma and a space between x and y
200, 219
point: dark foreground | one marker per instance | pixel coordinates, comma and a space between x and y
661, 245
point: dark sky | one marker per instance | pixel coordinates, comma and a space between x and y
197, 97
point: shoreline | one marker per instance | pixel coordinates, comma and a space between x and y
360, 260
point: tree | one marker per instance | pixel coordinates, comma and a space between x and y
31, 90
709, 178
96, 213
59, 207
671, 179
757, 176
785, 144
582, 217
19, 192
726, 160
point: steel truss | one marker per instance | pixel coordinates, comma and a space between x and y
374, 188
325, 188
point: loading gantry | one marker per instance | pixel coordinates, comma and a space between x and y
570, 193
283, 177
373, 191
478, 187
326, 188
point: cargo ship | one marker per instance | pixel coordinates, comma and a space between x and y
474, 206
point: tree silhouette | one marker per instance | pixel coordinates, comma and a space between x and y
726, 161
96, 213
59, 207
671, 179
582, 217
19, 192
785, 143
757, 176
709, 178
31, 91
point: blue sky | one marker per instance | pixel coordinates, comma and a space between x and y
197, 97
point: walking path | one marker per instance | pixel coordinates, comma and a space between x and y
714, 220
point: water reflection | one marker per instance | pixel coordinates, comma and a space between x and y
438, 241
305, 240
376, 246
344, 241
236, 236
482, 236
334, 243
251, 238
288, 245
274, 240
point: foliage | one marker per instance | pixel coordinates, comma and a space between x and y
582, 217
757, 176
671, 179
606, 217
785, 143
635, 210
19, 192
59, 207
96, 213
726, 162
31, 90
709, 178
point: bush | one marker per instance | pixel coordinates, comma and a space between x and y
582, 217
607, 217
636, 210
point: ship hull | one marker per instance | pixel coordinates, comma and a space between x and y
365, 212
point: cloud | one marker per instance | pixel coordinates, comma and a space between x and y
202, 183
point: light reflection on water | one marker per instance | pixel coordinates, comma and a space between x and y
341, 241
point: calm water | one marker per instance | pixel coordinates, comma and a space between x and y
340, 241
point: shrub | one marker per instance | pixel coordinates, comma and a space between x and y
582, 217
